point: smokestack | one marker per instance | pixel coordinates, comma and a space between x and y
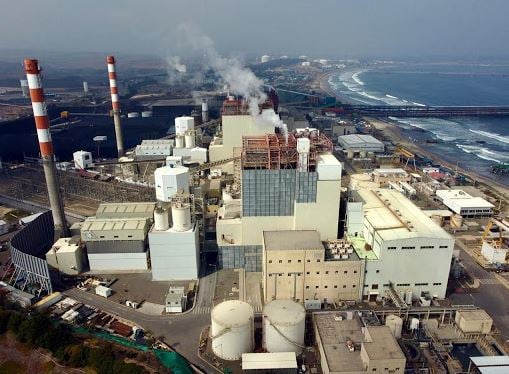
204, 111
112, 75
33, 70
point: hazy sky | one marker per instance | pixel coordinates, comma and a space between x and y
328, 28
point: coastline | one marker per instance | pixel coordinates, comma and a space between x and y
394, 133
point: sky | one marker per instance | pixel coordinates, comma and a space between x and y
476, 29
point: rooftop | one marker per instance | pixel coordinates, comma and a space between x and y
359, 140
291, 240
396, 217
63, 245
389, 171
462, 198
123, 210
474, 315
265, 361
97, 224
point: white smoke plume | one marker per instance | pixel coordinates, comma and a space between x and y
175, 63
240, 79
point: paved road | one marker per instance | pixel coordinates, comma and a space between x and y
491, 296
182, 332
35, 207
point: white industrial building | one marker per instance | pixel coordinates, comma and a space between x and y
68, 255
405, 251
185, 142
360, 143
82, 159
465, 204
174, 251
170, 180
154, 147
116, 238
176, 300
303, 195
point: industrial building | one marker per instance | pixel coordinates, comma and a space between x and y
359, 145
68, 255
82, 159
286, 184
384, 176
154, 148
174, 250
465, 204
274, 363
176, 300
404, 250
169, 180
349, 346
297, 266
116, 238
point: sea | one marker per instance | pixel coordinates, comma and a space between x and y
472, 143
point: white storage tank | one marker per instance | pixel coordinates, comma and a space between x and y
170, 180
189, 137
146, 113
179, 141
395, 324
161, 219
283, 326
232, 329
183, 124
181, 216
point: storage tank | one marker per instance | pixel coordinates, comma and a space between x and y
395, 324
183, 124
181, 216
179, 141
408, 297
133, 115
189, 137
161, 219
146, 113
232, 329
283, 326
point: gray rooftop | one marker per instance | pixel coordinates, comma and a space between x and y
291, 239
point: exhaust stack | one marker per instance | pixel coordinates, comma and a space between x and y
33, 71
112, 75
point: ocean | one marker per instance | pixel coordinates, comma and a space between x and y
475, 144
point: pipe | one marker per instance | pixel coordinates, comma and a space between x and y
115, 104
41, 118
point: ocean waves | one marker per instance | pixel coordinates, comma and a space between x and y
484, 153
500, 138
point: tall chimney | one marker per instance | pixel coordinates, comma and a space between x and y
33, 71
112, 75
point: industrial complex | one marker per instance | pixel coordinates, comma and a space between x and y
254, 238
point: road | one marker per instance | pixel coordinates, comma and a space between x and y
181, 332
491, 295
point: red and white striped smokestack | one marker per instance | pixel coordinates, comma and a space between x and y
115, 104
33, 73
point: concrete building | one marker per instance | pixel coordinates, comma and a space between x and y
385, 176
82, 159
360, 144
296, 266
274, 363
176, 300
347, 346
473, 321
465, 204
236, 122
116, 238
175, 250
403, 248
278, 196
154, 148
341, 128
68, 255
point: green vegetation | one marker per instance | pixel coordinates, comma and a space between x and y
38, 331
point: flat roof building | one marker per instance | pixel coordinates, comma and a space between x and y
465, 204
68, 255
360, 143
125, 210
276, 362
297, 266
347, 346
404, 249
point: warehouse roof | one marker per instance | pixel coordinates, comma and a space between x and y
462, 199
291, 239
266, 361
359, 140
96, 224
125, 210
395, 217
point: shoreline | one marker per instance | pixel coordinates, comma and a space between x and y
394, 133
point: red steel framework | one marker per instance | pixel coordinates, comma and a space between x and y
236, 107
273, 151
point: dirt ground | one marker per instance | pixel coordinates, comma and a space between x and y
18, 359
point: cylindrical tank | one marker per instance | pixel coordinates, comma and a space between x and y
456, 220
133, 115
179, 141
408, 297
161, 219
189, 140
146, 113
181, 217
395, 324
283, 326
232, 329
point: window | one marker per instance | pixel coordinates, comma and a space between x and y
289, 274
318, 260
355, 271
270, 261
129, 236
407, 247
386, 285
427, 246
353, 286
344, 286
307, 287
289, 261
345, 272
317, 273
326, 271
374, 286
102, 236
307, 272
299, 261
335, 286
280, 274
403, 284
444, 246
280, 261
115, 236
437, 284
378, 271
421, 284
308, 260
270, 275
325, 286
336, 272
316, 287
391, 247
